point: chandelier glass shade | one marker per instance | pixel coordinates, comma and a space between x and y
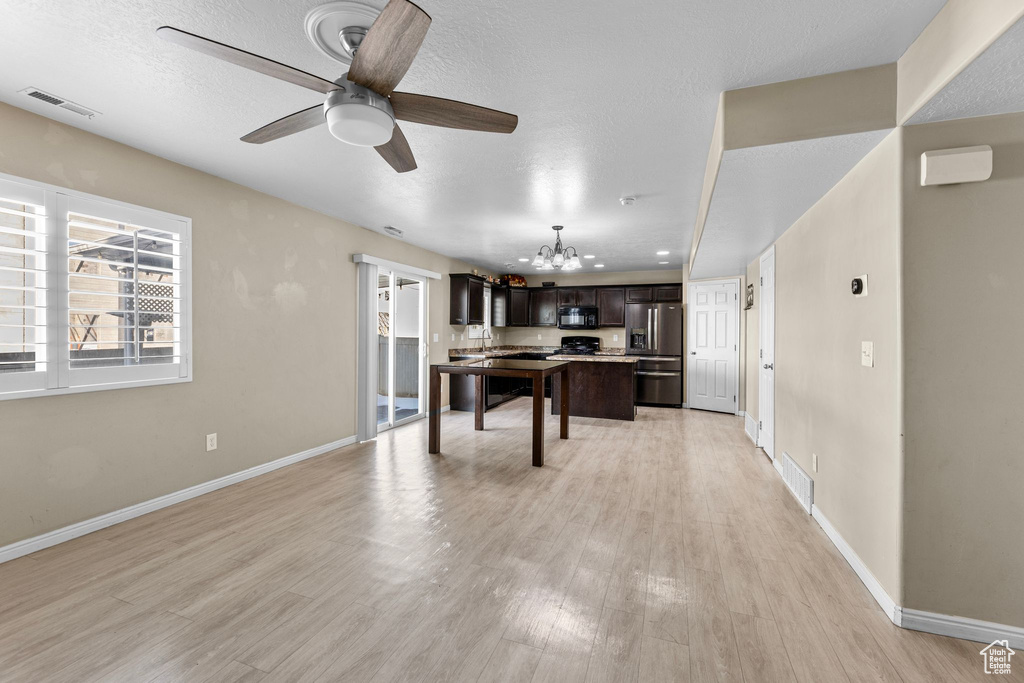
557, 257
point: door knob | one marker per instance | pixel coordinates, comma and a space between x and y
693, 353
769, 366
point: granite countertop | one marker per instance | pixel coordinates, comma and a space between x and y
603, 358
612, 355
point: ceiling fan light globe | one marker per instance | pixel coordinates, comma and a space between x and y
361, 125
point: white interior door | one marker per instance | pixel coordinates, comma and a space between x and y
713, 342
766, 371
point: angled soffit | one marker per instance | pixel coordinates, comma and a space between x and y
992, 84
762, 191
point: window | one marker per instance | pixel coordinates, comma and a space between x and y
483, 331
94, 294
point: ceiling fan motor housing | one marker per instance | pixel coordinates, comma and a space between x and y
358, 115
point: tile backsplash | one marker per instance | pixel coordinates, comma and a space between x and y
552, 336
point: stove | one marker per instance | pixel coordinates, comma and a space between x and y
579, 346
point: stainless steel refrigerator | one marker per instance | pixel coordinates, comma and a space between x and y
656, 332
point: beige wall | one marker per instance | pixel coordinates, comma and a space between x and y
751, 322
963, 331
825, 401
273, 345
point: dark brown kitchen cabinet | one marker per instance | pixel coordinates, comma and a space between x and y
586, 296
499, 307
466, 305
518, 307
566, 296
639, 295
668, 293
543, 307
611, 307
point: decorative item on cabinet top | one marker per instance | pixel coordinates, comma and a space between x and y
513, 280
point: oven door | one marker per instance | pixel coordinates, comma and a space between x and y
577, 318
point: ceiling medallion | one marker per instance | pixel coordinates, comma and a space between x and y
557, 258
338, 28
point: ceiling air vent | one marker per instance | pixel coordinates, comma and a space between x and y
44, 96
393, 231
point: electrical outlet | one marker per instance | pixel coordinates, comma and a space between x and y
435, 336
211, 442
462, 337
867, 354
814, 461
540, 337
615, 337
453, 336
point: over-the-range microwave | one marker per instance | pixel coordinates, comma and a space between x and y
577, 317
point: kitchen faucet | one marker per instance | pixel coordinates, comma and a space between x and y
485, 334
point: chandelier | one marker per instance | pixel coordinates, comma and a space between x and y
558, 257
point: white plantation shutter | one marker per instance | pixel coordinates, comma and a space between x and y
24, 358
125, 296
94, 294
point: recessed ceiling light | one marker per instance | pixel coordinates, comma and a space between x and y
523, 260
662, 253
599, 265
662, 263
588, 256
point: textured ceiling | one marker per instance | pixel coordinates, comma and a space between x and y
762, 191
991, 84
614, 98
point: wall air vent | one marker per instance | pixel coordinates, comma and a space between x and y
799, 482
49, 98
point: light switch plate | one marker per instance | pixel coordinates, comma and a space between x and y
867, 354
435, 336
615, 337
211, 442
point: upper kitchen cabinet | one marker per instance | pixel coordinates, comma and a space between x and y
611, 306
518, 307
566, 296
573, 296
499, 307
466, 306
543, 307
668, 293
639, 295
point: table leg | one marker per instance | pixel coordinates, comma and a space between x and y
564, 405
538, 420
434, 413
481, 402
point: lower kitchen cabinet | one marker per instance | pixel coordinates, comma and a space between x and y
598, 389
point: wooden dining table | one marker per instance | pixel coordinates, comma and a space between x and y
535, 370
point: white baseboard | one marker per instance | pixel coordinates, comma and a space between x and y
888, 605
962, 627
916, 620
31, 545
750, 427
778, 467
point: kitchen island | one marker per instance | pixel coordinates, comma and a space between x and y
603, 383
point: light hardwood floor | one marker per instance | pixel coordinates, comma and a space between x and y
666, 549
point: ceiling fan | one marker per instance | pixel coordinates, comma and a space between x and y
362, 106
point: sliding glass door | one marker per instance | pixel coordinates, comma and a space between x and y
400, 348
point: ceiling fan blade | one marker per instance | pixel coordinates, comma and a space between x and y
293, 123
245, 59
389, 47
397, 153
437, 111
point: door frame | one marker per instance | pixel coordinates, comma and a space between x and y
394, 275
770, 452
736, 342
